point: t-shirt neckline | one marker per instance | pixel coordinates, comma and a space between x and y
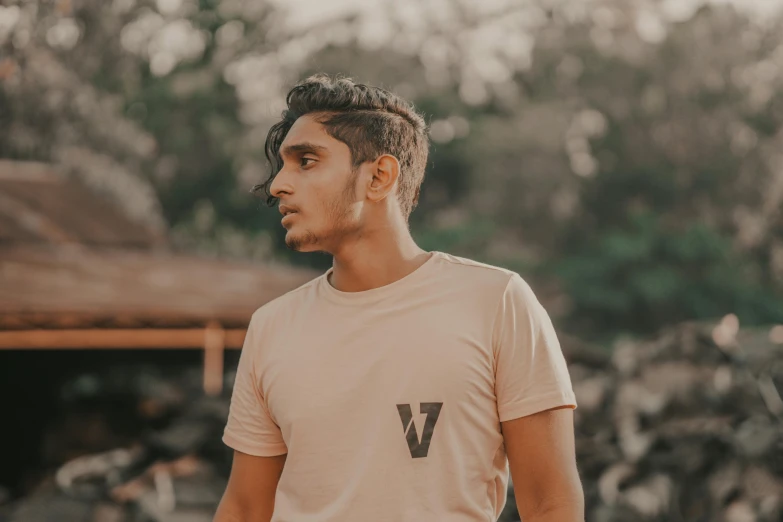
374, 295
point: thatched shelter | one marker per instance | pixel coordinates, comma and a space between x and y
76, 273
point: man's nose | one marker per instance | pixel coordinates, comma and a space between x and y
280, 184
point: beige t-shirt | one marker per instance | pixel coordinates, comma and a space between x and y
389, 401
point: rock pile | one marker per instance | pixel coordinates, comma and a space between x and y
685, 427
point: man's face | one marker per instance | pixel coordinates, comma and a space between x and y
318, 182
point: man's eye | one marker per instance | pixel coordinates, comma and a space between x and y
305, 160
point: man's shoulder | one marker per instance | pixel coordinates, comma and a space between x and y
471, 270
284, 301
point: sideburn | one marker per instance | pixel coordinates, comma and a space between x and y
339, 208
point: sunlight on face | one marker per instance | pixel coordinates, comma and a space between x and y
318, 183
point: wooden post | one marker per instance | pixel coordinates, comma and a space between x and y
214, 345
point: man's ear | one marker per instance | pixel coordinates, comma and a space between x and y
385, 173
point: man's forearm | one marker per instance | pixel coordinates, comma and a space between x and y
570, 512
225, 514
230, 512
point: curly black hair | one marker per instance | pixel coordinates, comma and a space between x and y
371, 121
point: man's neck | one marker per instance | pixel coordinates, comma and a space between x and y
369, 269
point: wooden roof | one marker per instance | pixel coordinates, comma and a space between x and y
69, 259
39, 204
78, 287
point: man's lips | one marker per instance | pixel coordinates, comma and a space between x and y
285, 209
288, 213
288, 217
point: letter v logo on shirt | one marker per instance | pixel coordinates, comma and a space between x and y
419, 448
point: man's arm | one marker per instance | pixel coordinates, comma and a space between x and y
542, 461
250, 493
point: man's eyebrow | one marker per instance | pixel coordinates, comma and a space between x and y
301, 148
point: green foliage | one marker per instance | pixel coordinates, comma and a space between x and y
468, 236
644, 274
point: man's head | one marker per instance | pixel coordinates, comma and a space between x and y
347, 158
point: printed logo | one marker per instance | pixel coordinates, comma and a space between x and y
419, 448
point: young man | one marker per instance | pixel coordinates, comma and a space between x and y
401, 385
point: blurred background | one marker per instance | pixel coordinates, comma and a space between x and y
624, 156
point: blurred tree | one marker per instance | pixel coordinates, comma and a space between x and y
680, 182
629, 151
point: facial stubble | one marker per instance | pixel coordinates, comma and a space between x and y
337, 216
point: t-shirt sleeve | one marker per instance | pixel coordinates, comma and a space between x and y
530, 370
250, 428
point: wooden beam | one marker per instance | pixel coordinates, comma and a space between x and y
214, 345
100, 339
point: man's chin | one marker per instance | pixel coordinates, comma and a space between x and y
300, 244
